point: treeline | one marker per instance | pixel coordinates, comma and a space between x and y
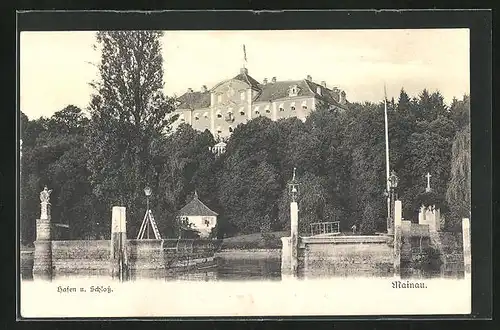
107, 158
340, 160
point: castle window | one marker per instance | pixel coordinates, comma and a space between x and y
304, 105
242, 96
219, 98
293, 91
242, 111
268, 110
196, 117
292, 106
219, 115
256, 109
282, 107
230, 129
219, 130
257, 112
205, 114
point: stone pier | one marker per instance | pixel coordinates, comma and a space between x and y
397, 237
290, 245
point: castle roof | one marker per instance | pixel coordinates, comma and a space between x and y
245, 77
196, 208
279, 89
194, 100
266, 92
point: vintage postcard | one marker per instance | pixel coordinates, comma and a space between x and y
244, 173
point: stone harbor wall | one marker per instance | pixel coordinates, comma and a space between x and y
80, 256
85, 257
354, 256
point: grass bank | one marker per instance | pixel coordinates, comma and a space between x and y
258, 241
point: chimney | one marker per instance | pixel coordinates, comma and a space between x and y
323, 83
309, 78
273, 80
204, 88
318, 90
244, 71
190, 90
265, 81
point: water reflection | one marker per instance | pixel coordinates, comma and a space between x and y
243, 268
226, 269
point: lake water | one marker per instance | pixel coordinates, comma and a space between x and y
226, 269
236, 267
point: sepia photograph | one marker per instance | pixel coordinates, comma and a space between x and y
243, 173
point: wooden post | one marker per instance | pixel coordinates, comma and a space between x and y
118, 257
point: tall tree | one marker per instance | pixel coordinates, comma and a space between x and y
458, 194
460, 111
129, 111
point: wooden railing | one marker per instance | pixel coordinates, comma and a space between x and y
319, 228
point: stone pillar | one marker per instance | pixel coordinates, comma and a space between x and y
42, 263
421, 215
118, 257
294, 217
286, 255
397, 237
466, 247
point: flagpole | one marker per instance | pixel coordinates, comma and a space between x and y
387, 160
244, 57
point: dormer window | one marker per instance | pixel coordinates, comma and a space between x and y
293, 91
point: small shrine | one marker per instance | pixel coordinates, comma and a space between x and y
196, 216
430, 214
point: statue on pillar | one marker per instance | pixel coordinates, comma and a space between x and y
45, 201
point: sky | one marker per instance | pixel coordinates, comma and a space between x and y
56, 67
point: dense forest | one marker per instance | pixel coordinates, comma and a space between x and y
105, 155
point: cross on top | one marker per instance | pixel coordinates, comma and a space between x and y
428, 176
